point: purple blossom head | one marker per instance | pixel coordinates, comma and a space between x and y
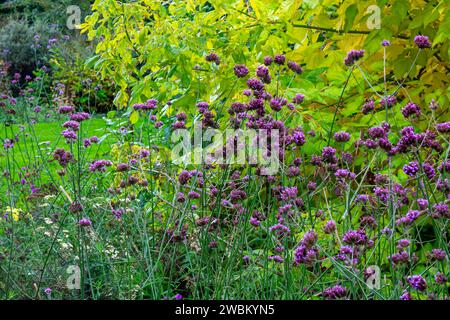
433, 105
240, 70
405, 295
262, 72
388, 101
8, 144
184, 177
422, 203
417, 282
329, 227
411, 169
440, 278
289, 193
295, 67
334, 293
99, 165
411, 109
342, 136
268, 60
438, 254
353, 237
178, 296
255, 84
213, 57
66, 109
422, 41
368, 106
353, 56
85, 222
443, 127
193, 195
298, 98
280, 59
385, 43
328, 153
69, 135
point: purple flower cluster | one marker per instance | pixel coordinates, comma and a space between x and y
150, 104
307, 252
353, 56
411, 109
422, 41
240, 70
99, 165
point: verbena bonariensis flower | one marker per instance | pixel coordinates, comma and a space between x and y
70, 135
440, 210
74, 125
342, 136
428, 170
240, 70
385, 43
443, 127
289, 193
280, 59
344, 174
353, 56
276, 258
80, 116
329, 227
184, 177
298, 98
85, 222
388, 102
355, 237
262, 72
254, 222
213, 57
411, 109
8, 144
298, 137
417, 282
403, 243
66, 109
277, 103
405, 296
422, 41
100, 165
334, 293
422, 203
307, 252
368, 106
295, 67
411, 169
409, 218
280, 230
437, 254
440, 278
150, 104
255, 84
328, 154
63, 157
268, 60
193, 195
433, 105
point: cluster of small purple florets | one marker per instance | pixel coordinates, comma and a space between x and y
332, 165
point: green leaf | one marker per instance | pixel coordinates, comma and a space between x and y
134, 117
350, 15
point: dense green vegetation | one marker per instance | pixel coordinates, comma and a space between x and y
107, 193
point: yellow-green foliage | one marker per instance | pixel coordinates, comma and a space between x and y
151, 47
